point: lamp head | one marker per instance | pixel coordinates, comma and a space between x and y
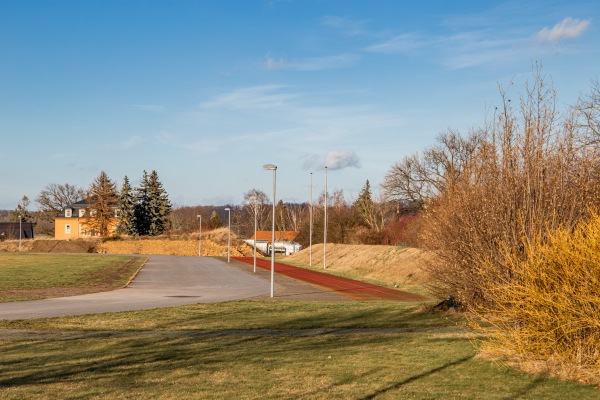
270, 167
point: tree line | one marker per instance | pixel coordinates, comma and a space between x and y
141, 210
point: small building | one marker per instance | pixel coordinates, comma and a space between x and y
10, 230
285, 242
73, 222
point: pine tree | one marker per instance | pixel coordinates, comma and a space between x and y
102, 199
215, 221
141, 212
160, 206
126, 209
152, 206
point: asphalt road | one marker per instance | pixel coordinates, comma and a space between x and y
164, 281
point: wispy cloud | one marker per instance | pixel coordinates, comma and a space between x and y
128, 143
313, 63
149, 107
348, 26
254, 97
568, 28
399, 44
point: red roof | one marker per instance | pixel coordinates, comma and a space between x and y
280, 236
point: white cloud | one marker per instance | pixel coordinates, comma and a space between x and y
568, 28
341, 159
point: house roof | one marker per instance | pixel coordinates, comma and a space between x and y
280, 236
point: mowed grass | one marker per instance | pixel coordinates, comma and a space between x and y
35, 276
261, 350
250, 350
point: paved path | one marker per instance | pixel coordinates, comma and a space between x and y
164, 281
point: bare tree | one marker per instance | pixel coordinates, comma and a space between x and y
54, 197
256, 202
418, 179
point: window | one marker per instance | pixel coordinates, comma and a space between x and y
81, 212
68, 212
68, 229
117, 213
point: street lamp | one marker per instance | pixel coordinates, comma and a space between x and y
228, 233
255, 220
271, 167
200, 236
325, 226
310, 225
20, 231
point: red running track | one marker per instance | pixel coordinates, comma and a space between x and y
347, 287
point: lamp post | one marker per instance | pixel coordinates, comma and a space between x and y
271, 167
325, 226
228, 233
255, 220
200, 236
310, 213
20, 231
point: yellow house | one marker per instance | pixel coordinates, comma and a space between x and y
73, 223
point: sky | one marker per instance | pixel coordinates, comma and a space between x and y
207, 92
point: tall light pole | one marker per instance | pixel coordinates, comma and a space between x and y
255, 221
228, 233
310, 213
200, 236
325, 226
271, 167
20, 231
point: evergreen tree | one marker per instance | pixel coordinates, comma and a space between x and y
152, 206
126, 209
141, 212
215, 221
102, 198
364, 204
159, 206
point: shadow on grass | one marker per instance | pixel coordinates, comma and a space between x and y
416, 377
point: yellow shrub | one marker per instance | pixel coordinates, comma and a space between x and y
547, 304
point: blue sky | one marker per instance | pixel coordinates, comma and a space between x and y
206, 92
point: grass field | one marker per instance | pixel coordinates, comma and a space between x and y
36, 276
254, 350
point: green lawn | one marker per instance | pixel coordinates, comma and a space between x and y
35, 276
261, 350
244, 349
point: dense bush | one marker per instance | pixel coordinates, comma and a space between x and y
549, 308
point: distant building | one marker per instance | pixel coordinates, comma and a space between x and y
73, 222
285, 242
10, 230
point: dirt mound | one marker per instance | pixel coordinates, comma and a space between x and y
50, 246
390, 264
64, 246
214, 243
172, 247
12, 246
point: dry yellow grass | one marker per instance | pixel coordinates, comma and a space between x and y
386, 264
214, 243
